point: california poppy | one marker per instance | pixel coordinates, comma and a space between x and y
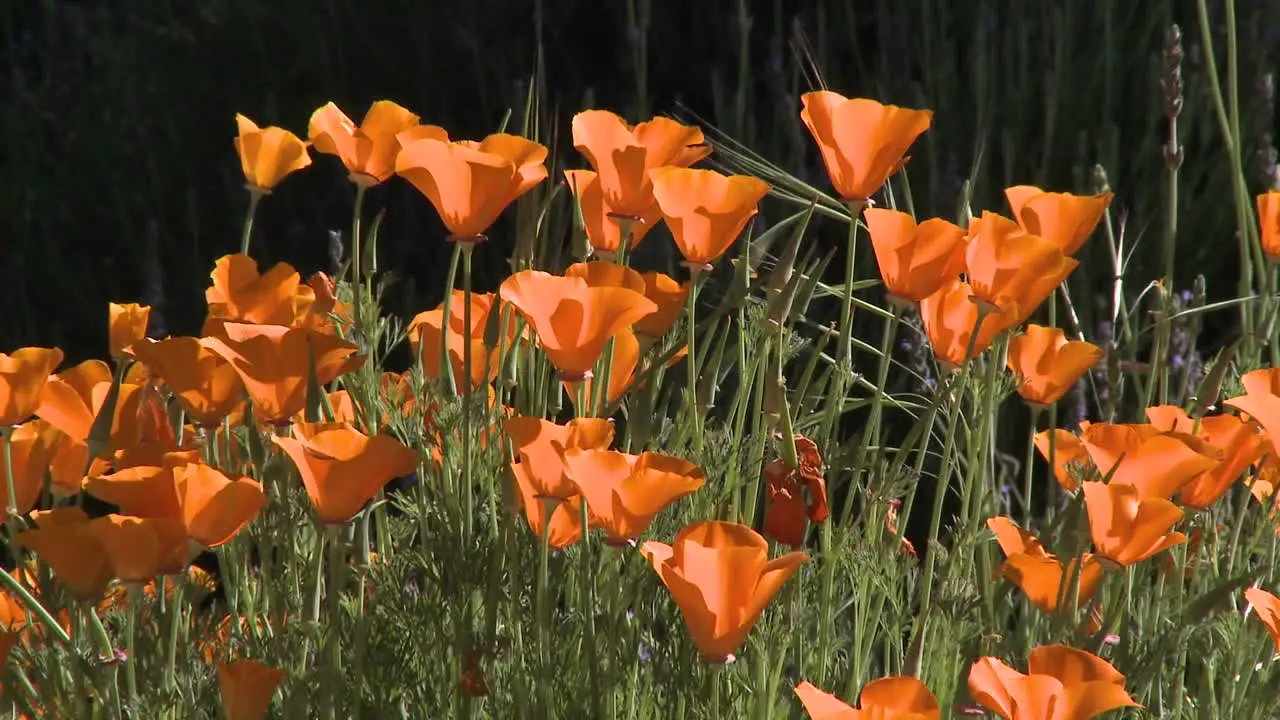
31, 450
342, 468
1037, 572
1048, 364
1070, 459
127, 324
622, 370
669, 296
1062, 683
901, 697
624, 492
274, 363
558, 519
1156, 464
427, 334
1125, 529
622, 155
247, 687
540, 446
602, 224
862, 141
72, 399
1006, 265
63, 540
915, 260
950, 318
1237, 440
470, 184
368, 151
704, 210
600, 273
1269, 223
138, 549
22, 377
573, 320
795, 494
267, 155
203, 382
1267, 606
1066, 220
721, 577
240, 293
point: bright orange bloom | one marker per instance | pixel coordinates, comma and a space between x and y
1269, 223
721, 577
1127, 529
705, 211
603, 224
138, 549
368, 151
901, 697
565, 527
1156, 464
862, 141
274, 363
32, 445
1263, 381
1007, 267
1066, 220
622, 370
669, 296
241, 294
795, 494
267, 155
1062, 683
247, 687
625, 492
1038, 573
540, 446
622, 155
205, 385
950, 317
573, 320
1069, 456
1267, 606
1048, 364
342, 468
915, 260
72, 399
606, 274
1238, 441
426, 334
63, 540
470, 184
22, 378
127, 324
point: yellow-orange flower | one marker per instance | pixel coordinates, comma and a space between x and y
622, 156
127, 324
1062, 683
901, 697
268, 154
22, 378
247, 687
368, 151
863, 142
1269, 223
1125, 529
342, 468
624, 492
915, 260
1066, 220
1048, 364
705, 211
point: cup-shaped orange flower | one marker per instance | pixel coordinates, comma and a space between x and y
126, 324
603, 224
1126, 529
62, 539
862, 142
342, 468
22, 376
540, 446
599, 273
1069, 457
1238, 442
622, 370
268, 154
915, 260
32, 447
427, 332
138, 549
206, 386
721, 577
71, 400
1048, 364
1269, 223
1006, 265
274, 363
795, 494
1061, 683
247, 687
573, 320
624, 492
1156, 464
1066, 220
950, 318
1037, 572
368, 151
470, 184
705, 211
557, 519
670, 296
622, 155
241, 294
901, 697
1267, 606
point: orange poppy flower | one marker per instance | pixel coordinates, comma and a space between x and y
950, 317
704, 210
64, 541
721, 577
1238, 442
32, 451
625, 492
342, 468
1006, 266
565, 527
622, 156
247, 687
22, 378
901, 697
572, 319
599, 273
267, 155
138, 549
426, 333
1269, 223
1069, 456
1062, 683
1263, 381
205, 385
470, 184
795, 494
622, 370
1267, 606
1127, 529
915, 260
540, 446
274, 363
1038, 573
1156, 464
13, 616
369, 151
72, 399
602, 223
1066, 220
344, 408
240, 294
669, 296
127, 325
1048, 364
862, 141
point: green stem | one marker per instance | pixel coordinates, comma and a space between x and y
175, 624
1026, 470
695, 413
541, 611
357, 281
246, 234
32, 605
134, 598
446, 367
467, 444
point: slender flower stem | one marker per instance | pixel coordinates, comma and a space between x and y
845, 351
246, 234
32, 605
468, 460
715, 669
357, 280
872, 432
134, 598
695, 412
1026, 469
446, 367
175, 625
541, 611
